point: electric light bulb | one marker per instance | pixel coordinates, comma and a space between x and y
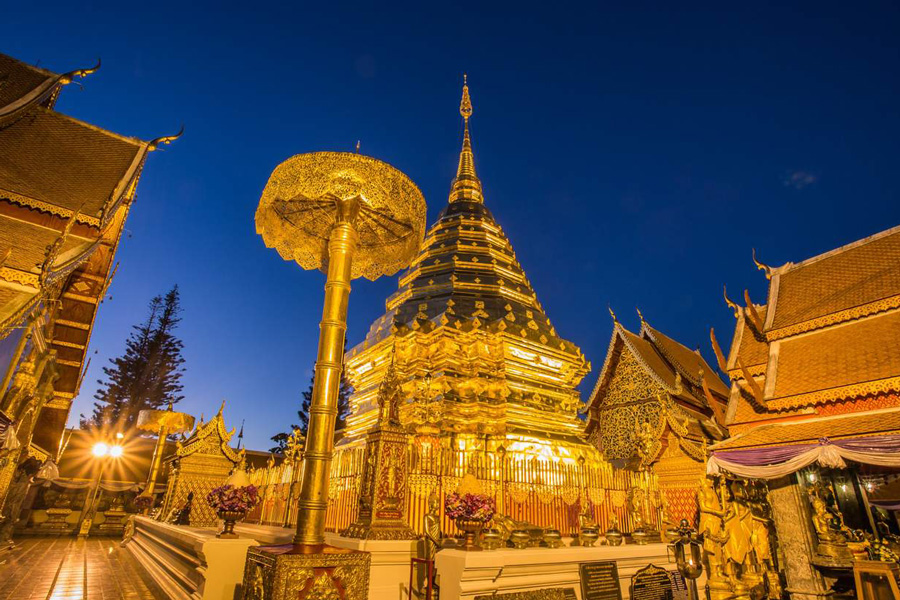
100, 449
115, 451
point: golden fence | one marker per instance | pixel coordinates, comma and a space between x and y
526, 485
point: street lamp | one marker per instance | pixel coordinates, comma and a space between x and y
101, 451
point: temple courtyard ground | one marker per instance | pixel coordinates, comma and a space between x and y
65, 568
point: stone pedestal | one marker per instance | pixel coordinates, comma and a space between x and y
189, 563
796, 539
114, 522
302, 572
467, 575
389, 571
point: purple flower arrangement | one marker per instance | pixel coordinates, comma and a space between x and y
471, 507
227, 498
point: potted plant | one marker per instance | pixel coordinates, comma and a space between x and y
470, 511
232, 504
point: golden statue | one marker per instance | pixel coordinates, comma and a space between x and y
759, 526
646, 442
432, 536
832, 542
736, 529
586, 519
711, 515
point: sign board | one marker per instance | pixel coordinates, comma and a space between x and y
652, 583
600, 581
679, 586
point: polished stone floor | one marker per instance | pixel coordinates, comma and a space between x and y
67, 568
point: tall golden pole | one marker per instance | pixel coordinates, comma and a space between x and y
313, 502
350, 216
163, 423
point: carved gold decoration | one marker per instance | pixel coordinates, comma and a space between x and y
849, 314
286, 573
297, 211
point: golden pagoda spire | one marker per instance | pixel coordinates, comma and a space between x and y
466, 185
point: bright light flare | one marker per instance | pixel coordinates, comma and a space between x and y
115, 451
100, 449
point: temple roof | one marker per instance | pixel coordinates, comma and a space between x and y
23, 85
687, 362
672, 365
57, 164
211, 436
849, 282
850, 360
876, 422
749, 345
64, 190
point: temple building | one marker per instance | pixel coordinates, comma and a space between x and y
484, 384
66, 187
814, 407
657, 405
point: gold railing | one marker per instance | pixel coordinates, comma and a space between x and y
526, 485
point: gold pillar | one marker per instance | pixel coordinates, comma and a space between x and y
157, 461
313, 502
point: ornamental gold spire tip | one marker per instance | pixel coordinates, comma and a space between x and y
466, 186
465, 105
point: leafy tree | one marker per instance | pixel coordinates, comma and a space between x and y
346, 389
149, 374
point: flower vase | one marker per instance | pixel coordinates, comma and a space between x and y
472, 529
229, 518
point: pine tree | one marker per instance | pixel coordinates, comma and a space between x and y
149, 374
303, 414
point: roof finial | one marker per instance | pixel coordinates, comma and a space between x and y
730, 302
67, 78
640, 316
612, 313
357, 146
466, 186
164, 140
762, 267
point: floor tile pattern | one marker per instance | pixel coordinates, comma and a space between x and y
74, 569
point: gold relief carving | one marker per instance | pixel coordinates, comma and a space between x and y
40, 205
838, 317
882, 386
330, 574
21, 277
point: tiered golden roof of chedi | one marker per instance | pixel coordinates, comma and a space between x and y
826, 343
65, 190
473, 348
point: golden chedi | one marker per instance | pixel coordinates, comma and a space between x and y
472, 345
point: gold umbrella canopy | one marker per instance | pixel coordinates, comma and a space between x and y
299, 207
174, 422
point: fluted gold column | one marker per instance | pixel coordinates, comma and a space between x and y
313, 502
156, 462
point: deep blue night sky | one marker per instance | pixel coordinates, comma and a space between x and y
634, 156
